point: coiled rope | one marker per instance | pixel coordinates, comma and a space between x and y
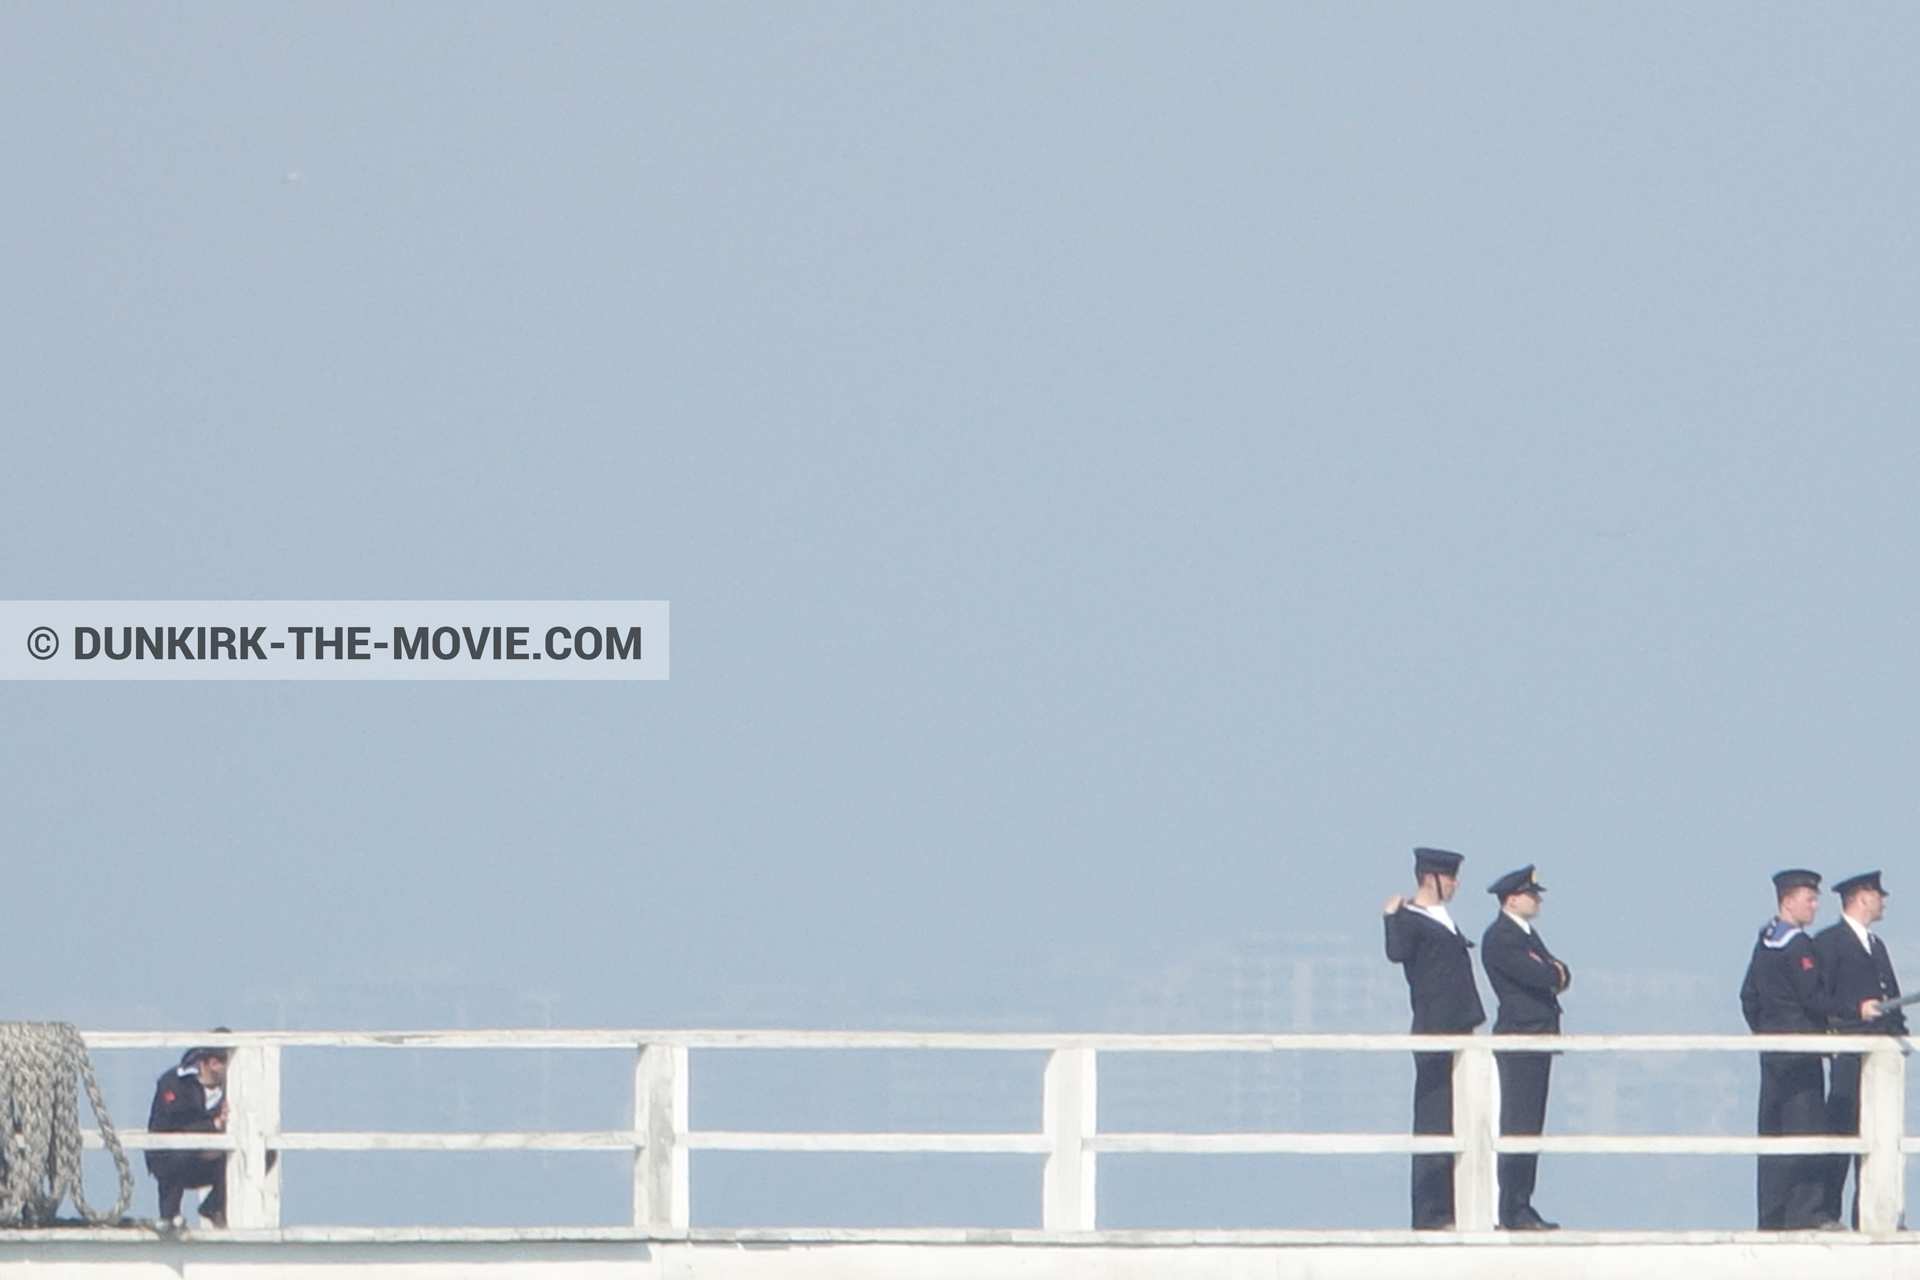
42, 1065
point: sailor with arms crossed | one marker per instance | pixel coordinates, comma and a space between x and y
1528, 980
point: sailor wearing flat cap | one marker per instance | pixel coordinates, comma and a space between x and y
1528, 981
1857, 968
1435, 956
1786, 991
191, 1098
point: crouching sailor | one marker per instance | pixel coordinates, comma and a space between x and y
191, 1098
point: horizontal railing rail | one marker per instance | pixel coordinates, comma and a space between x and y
1000, 1041
1069, 1139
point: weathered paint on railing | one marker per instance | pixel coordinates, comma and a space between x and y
1069, 1139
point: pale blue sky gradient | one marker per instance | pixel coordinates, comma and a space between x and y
1123, 476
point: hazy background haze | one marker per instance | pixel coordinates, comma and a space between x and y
1123, 476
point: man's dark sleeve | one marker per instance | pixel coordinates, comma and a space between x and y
1565, 973
1894, 1021
1811, 986
1826, 954
1750, 994
179, 1106
1830, 966
1518, 963
1400, 937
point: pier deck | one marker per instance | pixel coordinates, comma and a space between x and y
662, 1241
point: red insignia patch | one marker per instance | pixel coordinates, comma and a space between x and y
168, 1097
1806, 962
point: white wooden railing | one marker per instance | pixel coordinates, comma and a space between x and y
1069, 1138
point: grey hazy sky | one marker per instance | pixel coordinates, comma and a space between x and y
1123, 476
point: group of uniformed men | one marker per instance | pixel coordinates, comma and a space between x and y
1841, 980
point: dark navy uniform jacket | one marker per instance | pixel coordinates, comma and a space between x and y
1786, 988
1852, 975
179, 1106
1439, 972
1524, 978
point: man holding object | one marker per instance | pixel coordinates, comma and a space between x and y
1857, 968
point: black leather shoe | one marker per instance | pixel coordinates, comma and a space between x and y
1530, 1222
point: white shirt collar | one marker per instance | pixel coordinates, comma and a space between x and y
1438, 912
1860, 932
1525, 925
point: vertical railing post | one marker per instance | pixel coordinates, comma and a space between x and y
253, 1122
660, 1193
1883, 1123
1069, 1110
1476, 1126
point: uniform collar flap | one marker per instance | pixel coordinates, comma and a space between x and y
1778, 934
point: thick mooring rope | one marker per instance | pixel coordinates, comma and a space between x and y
42, 1065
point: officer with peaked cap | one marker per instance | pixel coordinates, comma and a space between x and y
1423, 939
1856, 968
1786, 992
1528, 981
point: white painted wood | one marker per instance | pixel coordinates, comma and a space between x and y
1680, 1144
592, 1140
660, 1138
253, 1122
802, 1255
1883, 1166
1033, 1042
1068, 1116
1016, 1143
1495, 1256
951, 1143
491, 1039
1476, 1126
661, 1196
1271, 1143
136, 1242
643, 1177
141, 1140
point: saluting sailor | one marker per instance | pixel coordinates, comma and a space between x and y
1857, 968
1527, 980
1785, 992
1423, 939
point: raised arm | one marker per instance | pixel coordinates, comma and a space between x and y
1402, 938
